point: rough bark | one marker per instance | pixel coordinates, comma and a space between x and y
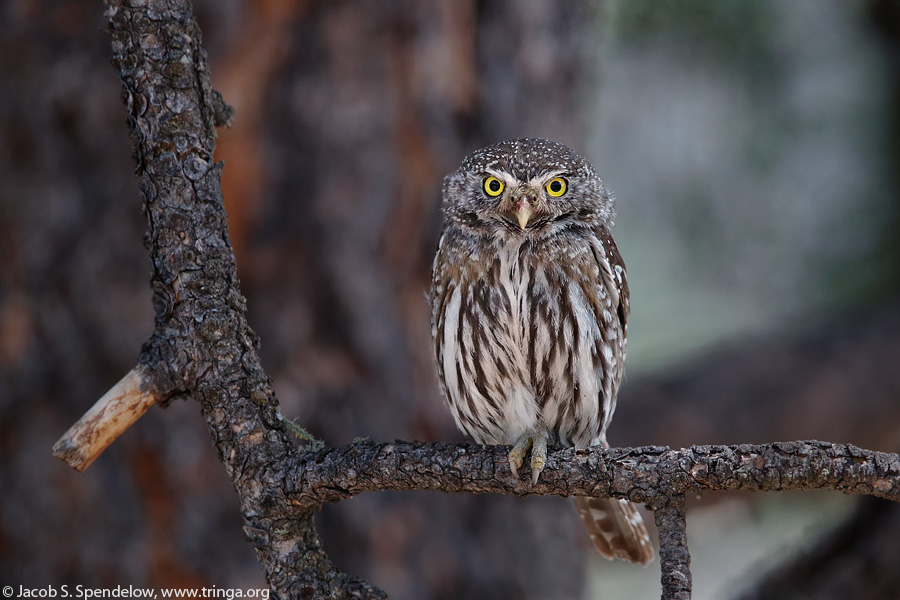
674, 555
649, 475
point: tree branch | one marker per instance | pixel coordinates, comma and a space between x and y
116, 411
674, 556
656, 476
649, 475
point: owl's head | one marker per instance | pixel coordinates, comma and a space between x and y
529, 187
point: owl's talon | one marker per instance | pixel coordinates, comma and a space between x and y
514, 466
538, 457
517, 454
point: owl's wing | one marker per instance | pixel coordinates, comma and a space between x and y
612, 269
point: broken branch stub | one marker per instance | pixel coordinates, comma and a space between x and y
115, 412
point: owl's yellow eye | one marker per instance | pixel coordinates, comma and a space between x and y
557, 187
493, 187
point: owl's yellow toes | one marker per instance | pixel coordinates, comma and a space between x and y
537, 443
538, 457
518, 452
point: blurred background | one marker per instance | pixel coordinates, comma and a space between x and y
753, 147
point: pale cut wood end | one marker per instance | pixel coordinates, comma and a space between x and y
115, 412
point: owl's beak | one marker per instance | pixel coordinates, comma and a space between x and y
524, 210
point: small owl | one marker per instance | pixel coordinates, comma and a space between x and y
529, 306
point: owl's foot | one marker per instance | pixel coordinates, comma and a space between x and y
538, 444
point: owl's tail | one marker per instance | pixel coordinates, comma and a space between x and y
617, 528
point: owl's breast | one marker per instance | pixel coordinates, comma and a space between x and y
518, 342
513, 276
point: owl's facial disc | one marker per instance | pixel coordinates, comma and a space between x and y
527, 187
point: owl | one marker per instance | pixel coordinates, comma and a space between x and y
529, 306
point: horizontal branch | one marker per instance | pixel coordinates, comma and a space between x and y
648, 475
